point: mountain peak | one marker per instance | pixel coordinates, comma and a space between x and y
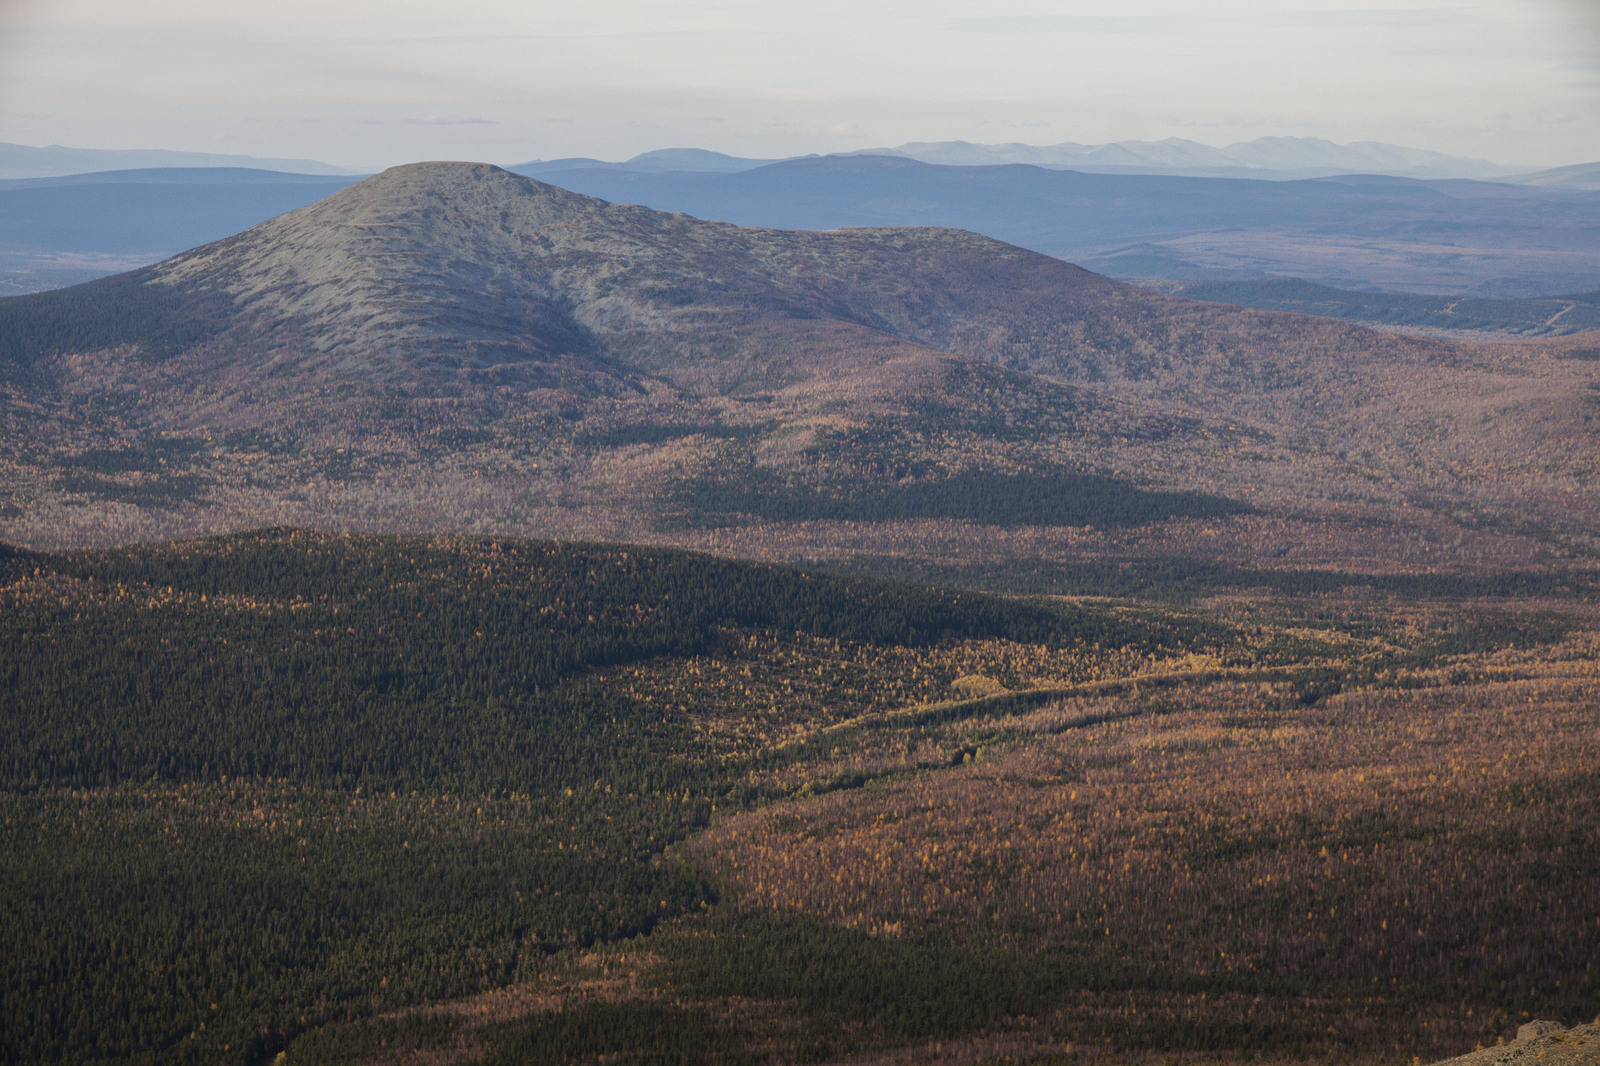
425, 253
432, 268
474, 265
464, 186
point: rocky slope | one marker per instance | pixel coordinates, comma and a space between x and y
1544, 1042
474, 266
448, 345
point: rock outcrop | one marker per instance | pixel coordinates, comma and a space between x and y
1546, 1043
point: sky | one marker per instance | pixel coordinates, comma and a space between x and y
372, 83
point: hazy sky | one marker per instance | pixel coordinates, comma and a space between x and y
375, 82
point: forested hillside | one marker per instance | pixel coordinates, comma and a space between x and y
402, 799
298, 776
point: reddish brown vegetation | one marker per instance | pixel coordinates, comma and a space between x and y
1378, 854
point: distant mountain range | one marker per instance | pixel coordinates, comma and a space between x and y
1281, 158
1272, 158
60, 231
1584, 176
1287, 157
1573, 313
161, 210
661, 161
1446, 237
23, 161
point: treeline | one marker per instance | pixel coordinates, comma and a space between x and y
1171, 578
124, 309
1049, 498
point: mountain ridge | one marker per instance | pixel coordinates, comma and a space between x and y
469, 262
1286, 157
1450, 238
1281, 158
453, 346
26, 161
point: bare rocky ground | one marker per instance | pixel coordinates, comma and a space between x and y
1544, 1042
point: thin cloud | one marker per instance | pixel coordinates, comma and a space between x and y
1075, 23
1363, 18
451, 122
